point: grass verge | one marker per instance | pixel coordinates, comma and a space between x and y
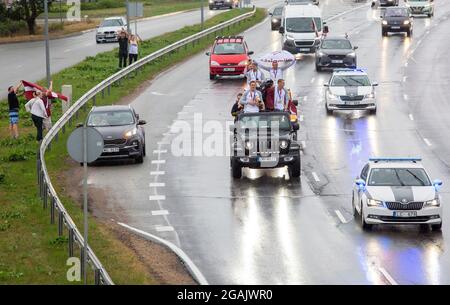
31, 250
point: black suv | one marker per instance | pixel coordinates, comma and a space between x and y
277, 15
398, 20
122, 131
265, 140
388, 2
222, 3
335, 52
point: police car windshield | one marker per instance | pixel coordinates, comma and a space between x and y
396, 12
350, 80
336, 44
111, 22
229, 48
398, 177
303, 24
110, 118
265, 121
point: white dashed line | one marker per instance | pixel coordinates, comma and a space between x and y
427, 141
303, 144
406, 64
160, 212
315, 177
405, 97
157, 173
301, 118
411, 117
387, 276
183, 113
158, 161
157, 184
156, 197
67, 50
405, 78
164, 228
313, 79
160, 151
305, 98
340, 216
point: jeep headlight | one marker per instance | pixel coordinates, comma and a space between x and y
320, 54
284, 144
289, 37
384, 22
374, 203
130, 133
432, 203
406, 22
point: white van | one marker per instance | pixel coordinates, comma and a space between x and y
302, 28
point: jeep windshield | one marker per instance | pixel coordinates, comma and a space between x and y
280, 121
303, 25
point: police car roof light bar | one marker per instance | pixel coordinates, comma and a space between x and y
349, 70
387, 159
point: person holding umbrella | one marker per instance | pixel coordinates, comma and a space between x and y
279, 62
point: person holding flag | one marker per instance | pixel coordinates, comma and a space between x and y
38, 112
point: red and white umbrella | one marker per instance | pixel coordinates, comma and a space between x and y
284, 59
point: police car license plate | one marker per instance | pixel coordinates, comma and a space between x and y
395, 27
337, 61
304, 49
267, 159
405, 214
228, 69
110, 149
352, 103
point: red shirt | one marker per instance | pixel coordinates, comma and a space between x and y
270, 96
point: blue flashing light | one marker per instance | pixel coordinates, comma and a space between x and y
350, 70
387, 159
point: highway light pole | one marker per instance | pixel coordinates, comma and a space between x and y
128, 17
47, 46
202, 13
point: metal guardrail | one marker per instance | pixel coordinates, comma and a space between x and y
46, 189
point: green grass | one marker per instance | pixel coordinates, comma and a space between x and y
31, 250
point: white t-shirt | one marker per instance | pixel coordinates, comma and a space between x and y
276, 74
280, 99
36, 106
250, 96
133, 48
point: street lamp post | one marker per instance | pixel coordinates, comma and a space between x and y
47, 44
128, 17
202, 13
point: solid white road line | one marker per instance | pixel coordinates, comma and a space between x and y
411, 117
340, 216
157, 173
427, 141
158, 161
163, 151
188, 262
160, 212
387, 276
157, 184
156, 197
164, 228
315, 177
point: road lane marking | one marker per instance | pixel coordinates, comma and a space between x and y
340, 216
303, 144
427, 141
300, 118
387, 276
406, 64
157, 173
315, 177
158, 161
405, 78
313, 79
158, 93
160, 212
160, 151
156, 197
157, 184
306, 98
164, 228
67, 50
411, 117
405, 97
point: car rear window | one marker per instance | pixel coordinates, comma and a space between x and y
229, 48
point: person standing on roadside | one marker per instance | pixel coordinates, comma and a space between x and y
123, 48
134, 48
13, 103
47, 99
38, 113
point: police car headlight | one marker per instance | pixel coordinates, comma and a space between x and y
370, 95
432, 203
284, 144
384, 22
214, 63
289, 37
130, 133
406, 22
248, 145
320, 54
332, 96
374, 203
211, 1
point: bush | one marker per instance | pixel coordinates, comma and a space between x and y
2, 177
18, 154
102, 4
56, 26
10, 27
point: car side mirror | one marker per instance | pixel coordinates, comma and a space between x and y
250, 53
375, 84
437, 183
208, 53
281, 30
326, 29
142, 122
295, 126
326, 85
360, 183
355, 47
270, 14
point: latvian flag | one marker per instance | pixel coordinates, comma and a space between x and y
30, 88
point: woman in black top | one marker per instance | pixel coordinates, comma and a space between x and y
13, 103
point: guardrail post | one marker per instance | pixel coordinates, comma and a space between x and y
64, 129
42, 184
49, 146
93, 100
109, 90
45, 196
60, 223
103, 93
97, 276
52, 211
71, 242
38, 166
56, 136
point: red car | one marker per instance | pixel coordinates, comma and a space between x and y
228, 57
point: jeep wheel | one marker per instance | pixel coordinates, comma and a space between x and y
409, 33
295, 169
364, 225
212, 76
437, 227
236, 169
140, 159
318, 68
329, 111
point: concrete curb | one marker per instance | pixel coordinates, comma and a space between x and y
192, 268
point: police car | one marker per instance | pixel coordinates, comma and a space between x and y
350, 89
396, 191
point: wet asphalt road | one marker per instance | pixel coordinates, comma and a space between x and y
266, 228
27, 60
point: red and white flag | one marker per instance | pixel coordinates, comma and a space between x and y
30, 88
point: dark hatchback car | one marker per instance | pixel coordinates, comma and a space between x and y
335, 52
122, 131
276, 18
397, 20
389, 2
